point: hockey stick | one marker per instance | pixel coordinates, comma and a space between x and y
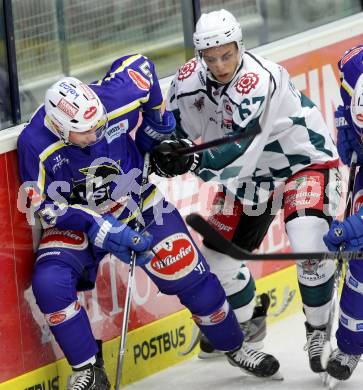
216, 142
221, 244
131, 278
327, 349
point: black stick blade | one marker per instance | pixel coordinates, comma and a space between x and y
221, 244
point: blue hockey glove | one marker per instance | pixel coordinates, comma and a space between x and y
347, 139
166, 165
349, 232
151, 133
119, 239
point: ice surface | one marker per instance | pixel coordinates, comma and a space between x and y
285, 339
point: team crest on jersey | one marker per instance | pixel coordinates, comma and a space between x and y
199, 103
247, 82
140, 81
174, 258
187, 69
95, 187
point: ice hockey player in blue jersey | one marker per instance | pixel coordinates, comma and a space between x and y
292, 164
349, 122
81, 172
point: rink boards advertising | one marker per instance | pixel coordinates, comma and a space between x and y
161, 329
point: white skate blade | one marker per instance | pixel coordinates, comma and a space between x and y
210, 355
216, 354
332, 383
324, 378
277, 376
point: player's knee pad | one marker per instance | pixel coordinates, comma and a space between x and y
212, 313
52, 286
306, 233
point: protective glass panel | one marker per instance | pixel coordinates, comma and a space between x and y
5, 105
82, 38
264, 21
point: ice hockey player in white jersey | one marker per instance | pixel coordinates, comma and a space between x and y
292, 164
349, 121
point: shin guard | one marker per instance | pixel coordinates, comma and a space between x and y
213, 314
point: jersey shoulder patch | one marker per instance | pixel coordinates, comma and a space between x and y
247, 82
187, 69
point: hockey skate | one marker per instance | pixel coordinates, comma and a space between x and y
315, 337
340, 367
255, 363
90, 377
254, 331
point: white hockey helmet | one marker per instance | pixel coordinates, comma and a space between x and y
72, 106
356, 106
217, 28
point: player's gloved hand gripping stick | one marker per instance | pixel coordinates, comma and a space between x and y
175, 157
